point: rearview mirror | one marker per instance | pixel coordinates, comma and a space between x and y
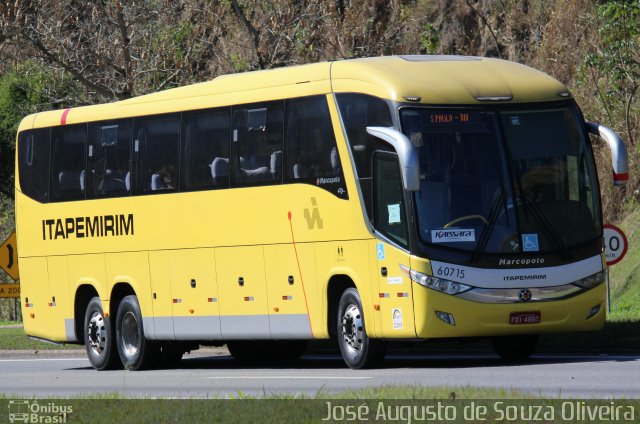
619, 158
407, 155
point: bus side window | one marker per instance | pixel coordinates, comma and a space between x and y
389, 209
156, 147
359, 111
33, 163
109, 159
68, 162
257, 144
310, 146
205, 151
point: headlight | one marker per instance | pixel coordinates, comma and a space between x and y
592, 280
439, 284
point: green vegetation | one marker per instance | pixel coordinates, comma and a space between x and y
385, 404
625, 275
13, 338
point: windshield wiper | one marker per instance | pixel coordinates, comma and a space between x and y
546, 225
493, 218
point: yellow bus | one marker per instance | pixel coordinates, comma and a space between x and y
365, 200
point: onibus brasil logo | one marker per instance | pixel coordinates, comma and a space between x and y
30, 411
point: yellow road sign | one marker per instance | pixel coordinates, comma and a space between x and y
9, 257
9, 291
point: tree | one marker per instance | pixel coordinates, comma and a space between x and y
614, 66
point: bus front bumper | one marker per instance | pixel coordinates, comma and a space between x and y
439, 315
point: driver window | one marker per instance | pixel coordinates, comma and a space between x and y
389, 206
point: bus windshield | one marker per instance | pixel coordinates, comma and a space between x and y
503, 181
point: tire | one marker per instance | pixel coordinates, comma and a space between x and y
136, 353
358, 350
99, 339
267, 351
515, 348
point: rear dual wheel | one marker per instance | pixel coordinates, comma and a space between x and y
111, 347
99, 339
135, 351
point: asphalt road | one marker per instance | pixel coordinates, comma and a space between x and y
217, 375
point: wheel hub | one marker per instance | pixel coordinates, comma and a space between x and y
97, 333
130, 334
352, 328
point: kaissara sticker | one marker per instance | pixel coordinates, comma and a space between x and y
453, 235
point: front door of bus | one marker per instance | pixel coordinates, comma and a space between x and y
390, 221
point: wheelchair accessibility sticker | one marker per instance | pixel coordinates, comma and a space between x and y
380, 251
530, 243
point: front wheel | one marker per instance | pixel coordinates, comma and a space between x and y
358, 350
515, 348
99, 339
135, 351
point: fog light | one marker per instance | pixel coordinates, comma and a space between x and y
446, 317
594, 310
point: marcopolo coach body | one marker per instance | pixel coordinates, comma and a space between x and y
366, 200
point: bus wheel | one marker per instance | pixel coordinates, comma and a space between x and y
98, 337
514, 348
135, 351
358, 350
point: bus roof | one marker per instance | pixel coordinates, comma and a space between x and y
440, 80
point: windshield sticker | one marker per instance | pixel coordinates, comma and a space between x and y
394, 213
530, 243
453, 235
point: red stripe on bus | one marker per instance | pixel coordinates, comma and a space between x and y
63, 119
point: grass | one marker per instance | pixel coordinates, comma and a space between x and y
384, 404
12, 338
625, 275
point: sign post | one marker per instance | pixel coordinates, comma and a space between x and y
615, 247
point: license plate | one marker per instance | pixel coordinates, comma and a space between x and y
525, 317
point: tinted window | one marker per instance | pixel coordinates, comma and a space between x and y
156, 147
389, 217
359, 111
257, 143
310, 145
109, 159
206, 149
33, 163
68, 162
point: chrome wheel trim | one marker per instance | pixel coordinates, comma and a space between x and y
353, 329
97, 333
130, 334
